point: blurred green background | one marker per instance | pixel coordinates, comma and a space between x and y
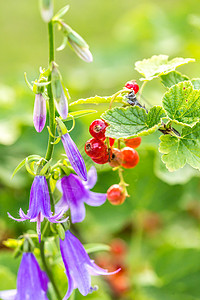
159, 223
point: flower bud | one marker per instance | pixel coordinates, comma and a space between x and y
46, 9
58, 93
39, 113
77, 43
72, 152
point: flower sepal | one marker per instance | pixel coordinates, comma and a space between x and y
43, 167
61, 128
60, 13
59, 229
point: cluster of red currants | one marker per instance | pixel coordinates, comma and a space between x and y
102, 151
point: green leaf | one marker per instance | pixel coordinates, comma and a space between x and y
24, 161
182, 103
173, 78
181, 176
132, 121
181, 150
97, 100
159, 65
178, 274
196, 83
91, 248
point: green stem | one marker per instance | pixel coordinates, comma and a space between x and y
48, 271
50, 148
50, 95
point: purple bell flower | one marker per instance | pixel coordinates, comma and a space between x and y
39, 205
74, 156
39, 113
32, 283
79, 267
75, 193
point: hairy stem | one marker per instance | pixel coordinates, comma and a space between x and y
48, 270
50, 95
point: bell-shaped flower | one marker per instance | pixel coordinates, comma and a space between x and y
73, 154
79, 267
75, 193
32, 282
39, 205
39, 113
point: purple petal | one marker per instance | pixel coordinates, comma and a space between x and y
75, 258
91, 178
77, 212
8, 295
71, 285
40, 218
58, 185
96, 270
73, 195
95, 199
74, 156
54, 219
39, 198
61, 206
44, 280
30, 280
39, 113
22, 215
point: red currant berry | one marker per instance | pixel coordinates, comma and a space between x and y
132, 85
111, 141
133, 143
116, 158
95, 148
116, 195
130, 158
101, 160
97, 129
